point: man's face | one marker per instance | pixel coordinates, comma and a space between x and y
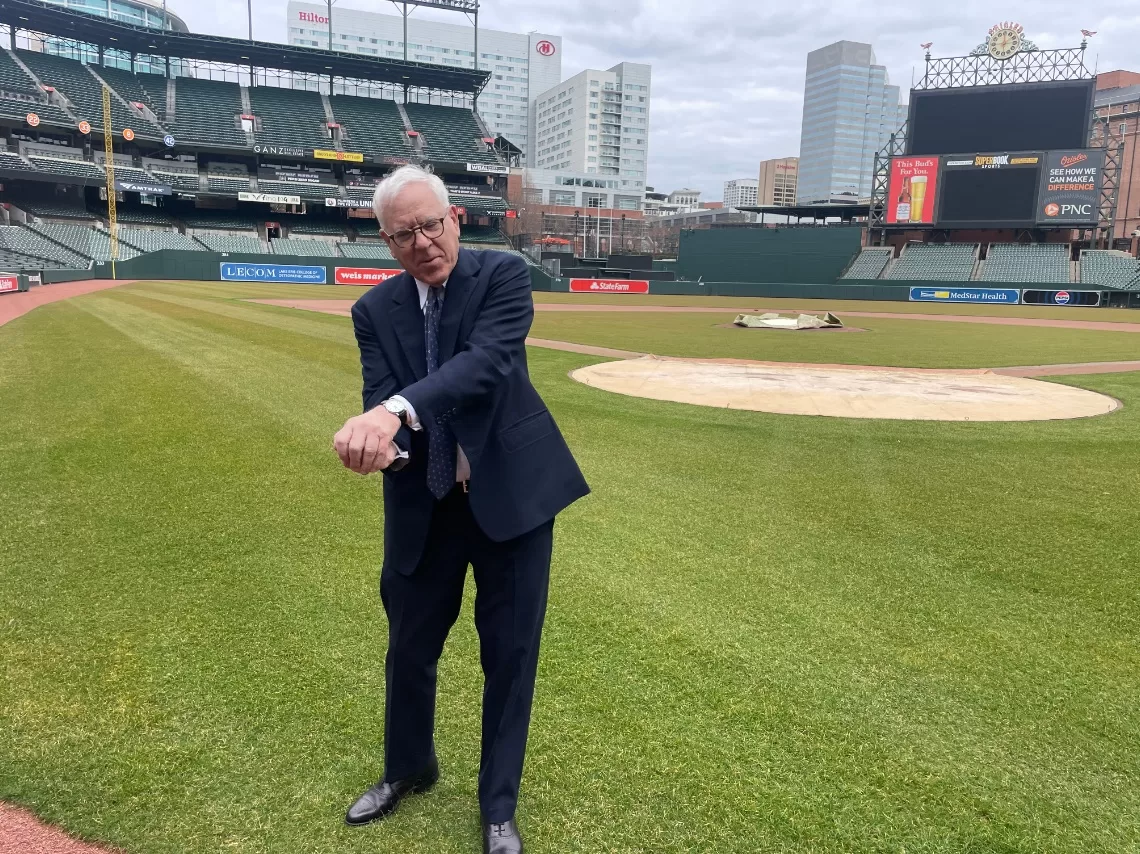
428, 258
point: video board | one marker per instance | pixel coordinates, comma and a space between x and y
1025, 117
1018, 189
989, 190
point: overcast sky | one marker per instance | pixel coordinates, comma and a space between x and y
728, 75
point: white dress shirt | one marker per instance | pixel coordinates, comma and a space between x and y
462, 466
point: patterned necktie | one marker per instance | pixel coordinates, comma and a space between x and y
441, 441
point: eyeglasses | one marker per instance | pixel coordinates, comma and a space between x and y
431, 229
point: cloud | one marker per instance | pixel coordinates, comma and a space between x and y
728, 75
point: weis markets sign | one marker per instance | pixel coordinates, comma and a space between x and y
1070, 188
363, 276
292, 273
1006, 296
609, 286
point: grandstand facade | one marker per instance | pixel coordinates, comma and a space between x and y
227, 151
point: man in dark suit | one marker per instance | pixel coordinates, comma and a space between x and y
475, 471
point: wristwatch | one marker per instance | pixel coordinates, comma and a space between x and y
397, 408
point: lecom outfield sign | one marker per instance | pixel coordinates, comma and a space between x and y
362, 276
609, 286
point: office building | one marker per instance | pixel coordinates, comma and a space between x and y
740, 193
521, 64
850, 111
596, 122
778, 179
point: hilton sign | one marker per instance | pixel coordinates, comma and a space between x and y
313, 17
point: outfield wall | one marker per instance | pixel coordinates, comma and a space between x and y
807, 256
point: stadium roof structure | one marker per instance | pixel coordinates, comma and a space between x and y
67, 23
847, 213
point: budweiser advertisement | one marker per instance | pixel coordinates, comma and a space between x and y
912, 192
363, 276
609, 286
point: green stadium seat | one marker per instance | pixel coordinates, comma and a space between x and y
89, 242
946, 262
68, 166
375, 250
148, 89
206, 111
371, 125
20, 96
290, 117
450, 134
1043, 263
28, 242
83, 92
152, 240
870, 263
1110, 268
230, 243
295, 246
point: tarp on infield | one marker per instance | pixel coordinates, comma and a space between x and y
773, 320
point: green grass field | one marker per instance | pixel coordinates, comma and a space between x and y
766, 633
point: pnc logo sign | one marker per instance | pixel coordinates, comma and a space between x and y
313, 17
546, 48
1052, 209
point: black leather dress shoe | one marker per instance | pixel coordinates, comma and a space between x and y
383, 798
502, 838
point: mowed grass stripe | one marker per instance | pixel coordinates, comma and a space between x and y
765, 633
901, 343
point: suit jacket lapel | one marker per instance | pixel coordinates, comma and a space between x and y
408, 321
459, 289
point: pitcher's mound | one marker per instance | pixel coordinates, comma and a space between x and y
846, 392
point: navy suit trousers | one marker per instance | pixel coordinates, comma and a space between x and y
511, 581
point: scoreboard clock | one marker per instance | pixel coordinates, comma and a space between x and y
1004, 41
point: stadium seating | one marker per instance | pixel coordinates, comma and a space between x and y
295, 246
947, 262
477, 205
26, 241
151, 240
187, 181
229, 185
56, 208
91, 243
149, 89
870, 263
480, 234
68, 166
85, 93
23, 96
219, 220
1045, 263
1110, 268
140, 216
11, 160
230, 243
205, 111
366, 227
370, 124
290, 117
378, 251
449, 133
315, 226
16, 262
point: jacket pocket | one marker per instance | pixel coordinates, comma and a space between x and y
528, 430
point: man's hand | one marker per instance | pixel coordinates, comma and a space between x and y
364, 443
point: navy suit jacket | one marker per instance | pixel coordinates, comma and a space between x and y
522, 472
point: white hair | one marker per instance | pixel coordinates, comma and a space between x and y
400, 178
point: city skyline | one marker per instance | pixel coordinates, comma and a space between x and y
728, 89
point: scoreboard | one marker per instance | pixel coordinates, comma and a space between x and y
996, 189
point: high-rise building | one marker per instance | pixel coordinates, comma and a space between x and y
850, 111
596, 122
521, 64
778, 179
740, 193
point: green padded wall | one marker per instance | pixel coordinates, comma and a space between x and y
762, 255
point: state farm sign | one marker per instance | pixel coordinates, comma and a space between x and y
312, 17
363, 276
609, 286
